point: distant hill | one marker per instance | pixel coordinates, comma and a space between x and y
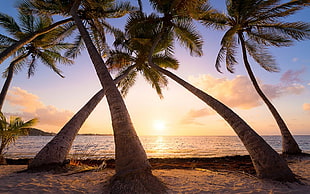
38, 132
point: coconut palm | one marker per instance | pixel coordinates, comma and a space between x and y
255, 25
12, 44
10, 130
56, 151
47, 48
267, 162
133, 171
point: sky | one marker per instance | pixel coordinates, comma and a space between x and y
54, 100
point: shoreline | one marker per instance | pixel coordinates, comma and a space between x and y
240, 163
180, 175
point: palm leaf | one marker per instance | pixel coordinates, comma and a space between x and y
188, 36
126, 83
294, 30
165, 61
261, 56
9, 24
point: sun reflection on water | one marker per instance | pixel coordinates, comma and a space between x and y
160, 145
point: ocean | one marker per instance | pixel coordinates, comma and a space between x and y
102, 147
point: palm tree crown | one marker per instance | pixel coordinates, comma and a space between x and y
46, 47
258, 22
132, 50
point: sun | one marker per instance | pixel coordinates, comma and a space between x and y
159, 125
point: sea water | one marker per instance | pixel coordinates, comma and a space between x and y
102, 147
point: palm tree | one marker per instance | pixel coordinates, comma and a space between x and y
255, 25
56, 151
133, 171
10, 130
15, 45
46, 47
267, 162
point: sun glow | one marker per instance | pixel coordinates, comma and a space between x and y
159, 125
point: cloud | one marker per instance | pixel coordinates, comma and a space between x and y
192, 115
30, 106
235, 93
306, 107
26, 101
291, 76
239, 91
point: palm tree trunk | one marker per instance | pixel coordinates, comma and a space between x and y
2, 159
12, 49
6, 85
133, 170
9, 78
56, 151
267, 162
289, 145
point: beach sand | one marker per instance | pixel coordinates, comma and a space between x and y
178, 180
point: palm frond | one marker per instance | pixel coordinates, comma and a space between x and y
126, 83
231, 60
189, 37
49, 58
269, 39
220, 58
119, 60
227, 53
6, 41
272, 10
260, 54
294, 30
165, 61
156, 79
78, 46
214, 20
9, 24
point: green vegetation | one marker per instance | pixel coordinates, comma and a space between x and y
11, 130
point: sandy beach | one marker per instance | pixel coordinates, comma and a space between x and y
178, 180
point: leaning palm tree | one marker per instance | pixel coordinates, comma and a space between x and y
267, 162
133, 170
15, 45
56, 151
255, 25
10, 130
47, 47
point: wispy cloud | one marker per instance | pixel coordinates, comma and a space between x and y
30, 106
295, 59
192, 115
292, 76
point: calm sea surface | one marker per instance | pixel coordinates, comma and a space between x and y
101, 147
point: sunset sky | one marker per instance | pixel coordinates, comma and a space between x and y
54, 100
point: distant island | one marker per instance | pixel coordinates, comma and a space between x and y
38, 132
